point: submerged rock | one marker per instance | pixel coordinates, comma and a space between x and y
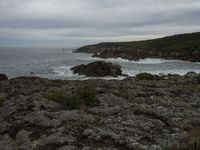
98, 69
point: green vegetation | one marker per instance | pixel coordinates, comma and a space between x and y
146, 76
125, 92
2, 100
88, 94
198, 78
191, 141
180, 43
138, 110
83, 96
191, 88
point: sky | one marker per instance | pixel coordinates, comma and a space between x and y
73, 23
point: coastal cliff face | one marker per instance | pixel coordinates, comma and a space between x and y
143, 113
182, 47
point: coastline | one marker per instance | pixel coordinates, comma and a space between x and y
184, 47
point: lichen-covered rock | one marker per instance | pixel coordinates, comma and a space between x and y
131, 114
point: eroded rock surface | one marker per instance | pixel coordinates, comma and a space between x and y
131, 114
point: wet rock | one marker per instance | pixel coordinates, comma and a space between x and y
3, 77
98, 69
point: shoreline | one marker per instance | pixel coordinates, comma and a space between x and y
184, 47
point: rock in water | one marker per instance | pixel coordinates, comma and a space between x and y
3, 77
98, 69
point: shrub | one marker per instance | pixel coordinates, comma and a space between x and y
88, 95
198, 78
145, 76
66, 100
138, 110
83, 96
191, 141
2, 100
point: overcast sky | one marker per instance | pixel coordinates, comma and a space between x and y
80, 22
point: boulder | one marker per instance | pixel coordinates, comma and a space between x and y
98, 69
3, 77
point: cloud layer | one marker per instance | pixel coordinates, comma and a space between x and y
79, 22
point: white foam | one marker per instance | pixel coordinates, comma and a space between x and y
140, 61
62, 70
163, 72
153, 61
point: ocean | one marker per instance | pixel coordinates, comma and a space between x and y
55, 63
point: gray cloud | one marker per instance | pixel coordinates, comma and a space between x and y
78, 22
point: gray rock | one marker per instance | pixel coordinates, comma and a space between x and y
98, 69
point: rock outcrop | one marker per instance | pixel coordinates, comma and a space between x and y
98, 69
131, 114
3, 77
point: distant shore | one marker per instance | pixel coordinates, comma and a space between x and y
181, 47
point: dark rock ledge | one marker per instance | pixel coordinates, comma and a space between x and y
98, 69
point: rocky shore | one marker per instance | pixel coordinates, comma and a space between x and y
181, 47
138, 113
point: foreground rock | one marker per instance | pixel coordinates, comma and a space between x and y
3, 77
132, 114
98, 69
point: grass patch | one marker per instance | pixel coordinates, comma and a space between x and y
138, 110
191, 88
146, 76
191, 141
80, 97
2, 100
125, 92
198, 78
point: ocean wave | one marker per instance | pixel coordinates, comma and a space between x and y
62, 70
162, 72
153, 61
140, 61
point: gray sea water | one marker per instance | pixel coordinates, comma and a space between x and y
55, 63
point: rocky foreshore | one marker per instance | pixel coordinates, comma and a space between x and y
138, 113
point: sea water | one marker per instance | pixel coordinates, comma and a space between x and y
55, 63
